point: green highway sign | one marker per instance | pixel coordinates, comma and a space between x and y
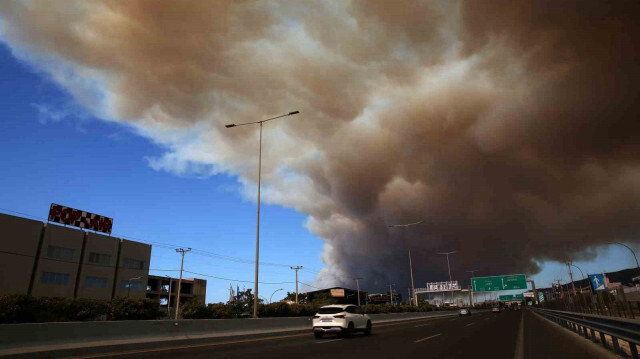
498, 283
507, 297
518, 297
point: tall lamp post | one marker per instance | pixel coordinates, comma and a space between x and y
274, 292
414, 299
129, 285
255, 296
358, 287
169, 299
632, 252
449, 267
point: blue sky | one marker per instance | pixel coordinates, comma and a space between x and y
52, 150
71, 158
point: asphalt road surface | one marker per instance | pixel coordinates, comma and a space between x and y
512, 335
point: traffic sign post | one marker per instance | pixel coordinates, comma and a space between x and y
510, 297
597, 282
499, 283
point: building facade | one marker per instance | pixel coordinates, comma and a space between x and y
165, 290
44, 259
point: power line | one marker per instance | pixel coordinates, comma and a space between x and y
309, 285
171, 246
235, 280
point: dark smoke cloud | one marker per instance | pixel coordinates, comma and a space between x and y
510, 127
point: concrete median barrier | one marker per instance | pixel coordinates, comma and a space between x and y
40, 335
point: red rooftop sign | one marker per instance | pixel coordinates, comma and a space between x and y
77, 218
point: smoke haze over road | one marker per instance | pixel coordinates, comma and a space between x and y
510, 127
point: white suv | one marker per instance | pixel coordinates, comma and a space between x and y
341, 319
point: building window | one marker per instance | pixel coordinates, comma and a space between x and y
55, 278
60, 253
95, 282
133, 263
99, 258
135, 285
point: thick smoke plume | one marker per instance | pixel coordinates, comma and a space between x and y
512, 128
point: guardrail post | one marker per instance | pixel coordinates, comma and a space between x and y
586, 332
634, 350
593, 336
616, 345
604, 340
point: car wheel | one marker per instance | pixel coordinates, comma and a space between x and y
369, 328
348, 332
318, 335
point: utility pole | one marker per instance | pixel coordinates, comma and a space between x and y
471, 288
296, 268
390, 295
358, 286
182, 252
571, 277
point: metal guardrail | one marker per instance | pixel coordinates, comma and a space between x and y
588, 325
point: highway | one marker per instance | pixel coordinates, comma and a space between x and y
513, 335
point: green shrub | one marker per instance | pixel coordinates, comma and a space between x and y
28, 309
135, 309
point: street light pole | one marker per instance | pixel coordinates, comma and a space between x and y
414, 298
449, 267
169, 300
632, 252
129, 285
255, 297
581, 272
358, 287
182, 252
274, 292
573, 285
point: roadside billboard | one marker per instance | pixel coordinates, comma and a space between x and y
337, 293
78, 218
442, 286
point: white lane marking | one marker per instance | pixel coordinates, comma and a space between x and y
427, 338
519, 353
412, 321
470, 324
328, 341
422, 325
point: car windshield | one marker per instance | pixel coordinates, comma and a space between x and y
330, 310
